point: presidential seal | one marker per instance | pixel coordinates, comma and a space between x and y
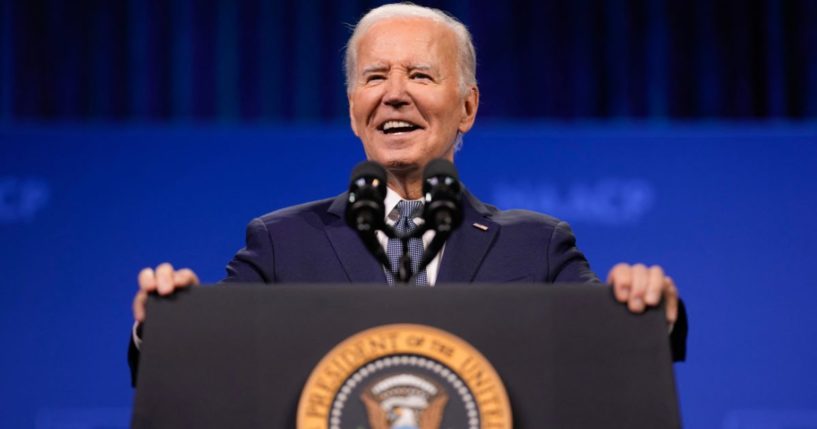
404, 376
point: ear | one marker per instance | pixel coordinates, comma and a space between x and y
351, 116
470, 104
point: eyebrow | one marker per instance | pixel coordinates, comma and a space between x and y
374, 68
377, 68
423, 67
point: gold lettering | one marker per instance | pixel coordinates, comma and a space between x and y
339, 365
442, 348
494, 414
321, 384
478, 379
335, 374
370, 345
469, 361
381, 345
377, 345
494, 399
487, 389
317, 406
415, 340
352, 356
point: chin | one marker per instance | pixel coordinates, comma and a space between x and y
402, 166
400, 160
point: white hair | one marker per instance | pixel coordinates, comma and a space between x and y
466, 54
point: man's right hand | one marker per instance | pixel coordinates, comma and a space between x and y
164, 280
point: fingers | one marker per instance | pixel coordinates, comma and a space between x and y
671, 299
640, 281
185, 277
163, 280
621, 279
655, 285
640, 287
139, 306
147, 280
147, 284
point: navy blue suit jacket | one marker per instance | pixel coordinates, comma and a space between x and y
311, 243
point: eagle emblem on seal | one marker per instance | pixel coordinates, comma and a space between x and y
404, 401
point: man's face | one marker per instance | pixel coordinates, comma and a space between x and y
405, 104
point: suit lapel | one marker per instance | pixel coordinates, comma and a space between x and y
466, 248
359, 264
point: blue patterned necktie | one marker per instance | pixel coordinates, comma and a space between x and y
405, 225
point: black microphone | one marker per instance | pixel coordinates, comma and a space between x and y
443, 196
365, 208
442, 211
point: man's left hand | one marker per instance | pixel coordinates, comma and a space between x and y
640, 287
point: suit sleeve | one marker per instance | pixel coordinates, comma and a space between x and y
678, 336
133, 358
255, 263
568, 265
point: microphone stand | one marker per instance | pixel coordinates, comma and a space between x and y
442, 213
405, 274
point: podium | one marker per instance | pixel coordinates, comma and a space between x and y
240, 356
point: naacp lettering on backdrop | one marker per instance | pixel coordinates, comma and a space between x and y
21, 199
609, 201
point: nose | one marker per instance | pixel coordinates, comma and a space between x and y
395, 94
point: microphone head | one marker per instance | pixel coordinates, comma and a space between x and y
372, 171
441, 180
440, 167
365, 208
443, 195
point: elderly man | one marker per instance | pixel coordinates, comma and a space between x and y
412, 95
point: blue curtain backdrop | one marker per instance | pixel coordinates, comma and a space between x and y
262, 61
682, 133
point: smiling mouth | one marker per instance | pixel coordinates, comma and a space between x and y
395, 127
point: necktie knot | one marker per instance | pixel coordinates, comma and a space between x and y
409, 209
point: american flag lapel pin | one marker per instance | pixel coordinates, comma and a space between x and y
480, 226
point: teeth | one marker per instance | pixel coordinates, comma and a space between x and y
396, 124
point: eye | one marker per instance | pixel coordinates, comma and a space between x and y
420, 76
374, 77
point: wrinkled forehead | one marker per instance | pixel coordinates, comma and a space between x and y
408, 41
